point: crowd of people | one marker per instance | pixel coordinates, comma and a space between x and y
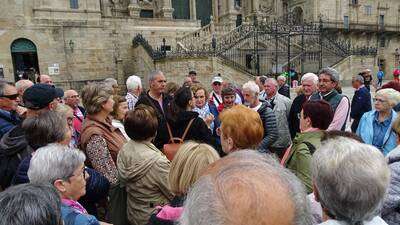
197, 154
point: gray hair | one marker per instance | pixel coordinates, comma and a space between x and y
391, 94
94, 95
35, 204
359, 78
3, 85
310, 77
351, 179
22, 85
48, 127
153, 75
282, 78
330, 72
205, 201
111, 82
133, 82
273, 81
251, 86
54, 162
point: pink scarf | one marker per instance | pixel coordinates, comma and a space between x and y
75, 205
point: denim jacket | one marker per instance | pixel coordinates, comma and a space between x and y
72, 217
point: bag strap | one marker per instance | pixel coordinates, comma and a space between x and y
310, 147
187, 129
170, 132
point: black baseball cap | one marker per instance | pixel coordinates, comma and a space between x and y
39, 96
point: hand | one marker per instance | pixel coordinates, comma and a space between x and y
209, 119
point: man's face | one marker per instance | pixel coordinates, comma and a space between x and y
193, 77
217, 87
9, 100
281, 83
325, 83
249, 97
258, 82
44, 79
270, 88
355, 84
228, 101
158, 84
72, 98
308, 87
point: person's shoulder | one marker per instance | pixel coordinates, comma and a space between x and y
69, 215
86, 219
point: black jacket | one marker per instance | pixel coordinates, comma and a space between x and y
294, 121
360, 104
270, 128
284, 90
13, 149
145, 99
198, 131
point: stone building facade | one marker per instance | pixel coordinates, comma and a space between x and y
79, 40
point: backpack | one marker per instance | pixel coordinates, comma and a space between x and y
174, 143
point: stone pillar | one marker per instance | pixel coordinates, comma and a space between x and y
167, 10
192, 5
134, 9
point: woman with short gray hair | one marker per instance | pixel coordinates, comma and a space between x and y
63, 167
375, 125
350, 181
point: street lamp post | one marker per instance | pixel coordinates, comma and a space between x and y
256, 56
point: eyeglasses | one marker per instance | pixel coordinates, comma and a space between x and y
197, 97
11, 97
379, 100
83, 174
74, 96
324, 81
217, 84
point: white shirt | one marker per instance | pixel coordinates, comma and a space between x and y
120, 126
375, 221
257, 107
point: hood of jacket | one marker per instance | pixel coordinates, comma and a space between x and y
136, 158
394, 155
13, 142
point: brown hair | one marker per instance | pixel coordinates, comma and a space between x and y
243, 125
171, 88
94, 95
117, 100
197, 87
320, 113
141, 123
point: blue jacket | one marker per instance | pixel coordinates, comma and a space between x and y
8, 120
366, 131
71, 217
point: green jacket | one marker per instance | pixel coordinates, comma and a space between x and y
299, 159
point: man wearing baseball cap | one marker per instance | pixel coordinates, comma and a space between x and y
38, 99
215, 95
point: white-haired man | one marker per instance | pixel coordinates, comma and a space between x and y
251, 92
134, 87
246, 187
281, 107
309, 82
350, 180
284, 88
328, 81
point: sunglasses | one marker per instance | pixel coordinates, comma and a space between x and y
11, 97
217, 84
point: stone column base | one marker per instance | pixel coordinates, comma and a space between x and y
167, 12
134, 10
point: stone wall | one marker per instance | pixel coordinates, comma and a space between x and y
353, 65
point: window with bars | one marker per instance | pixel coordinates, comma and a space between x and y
382, 42
74, 4
354, 2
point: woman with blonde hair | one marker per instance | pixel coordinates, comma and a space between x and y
189, 163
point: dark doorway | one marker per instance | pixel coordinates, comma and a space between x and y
25, 60
181, 9
298, 15
203, 11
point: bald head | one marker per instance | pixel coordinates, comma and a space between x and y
246, 187
45, 79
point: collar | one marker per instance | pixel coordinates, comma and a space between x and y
326, 95
386, 122
311, 129
360, 87
133, 95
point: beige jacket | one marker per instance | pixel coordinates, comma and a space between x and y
144, 170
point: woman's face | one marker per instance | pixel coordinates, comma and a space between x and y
200, 98
75, 186
109, 104
381, 103
122, 110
